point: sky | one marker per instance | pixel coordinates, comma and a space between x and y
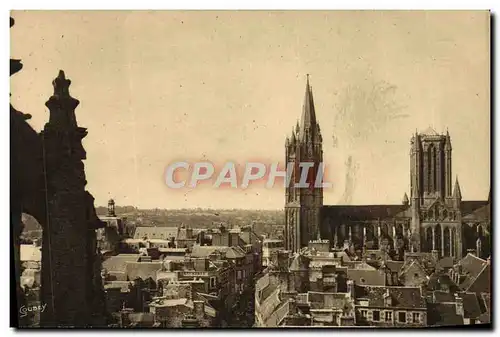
166, 86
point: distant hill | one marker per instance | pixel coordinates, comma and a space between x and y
264, 221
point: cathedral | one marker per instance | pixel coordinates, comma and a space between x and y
434, 219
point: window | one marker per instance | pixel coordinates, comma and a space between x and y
212, 282
402, 317
239, 275
376, 315
416, 317
364, 313
388, 316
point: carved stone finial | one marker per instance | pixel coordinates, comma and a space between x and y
61, 85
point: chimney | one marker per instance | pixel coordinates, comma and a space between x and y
199, 309
459, 305
350, 288
387, 298
234, 239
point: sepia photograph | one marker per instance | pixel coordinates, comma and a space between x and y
237, 169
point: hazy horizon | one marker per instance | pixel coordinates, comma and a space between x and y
163, 86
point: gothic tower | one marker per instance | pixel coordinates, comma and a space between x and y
303, 204
435, 203
70, 262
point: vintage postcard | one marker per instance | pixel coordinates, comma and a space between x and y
250, 169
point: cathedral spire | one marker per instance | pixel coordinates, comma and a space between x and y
308, 119
457, 194
406, 201
447, 144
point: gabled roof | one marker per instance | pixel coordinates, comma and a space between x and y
482, 213
468, 207
402, 297
429, 132
437, 280
477, 272
482, 283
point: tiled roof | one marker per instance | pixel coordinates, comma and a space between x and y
472, 264
366, 212
30, 253
142, 270
482, 213
402, 297
437, 280
155, 232
477, 273
469, 207
471, 305
366, 277
320, 300
443, 297
118, 263
481, 283
205, 251
443, 314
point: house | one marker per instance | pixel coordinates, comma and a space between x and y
387, 306
472, 274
